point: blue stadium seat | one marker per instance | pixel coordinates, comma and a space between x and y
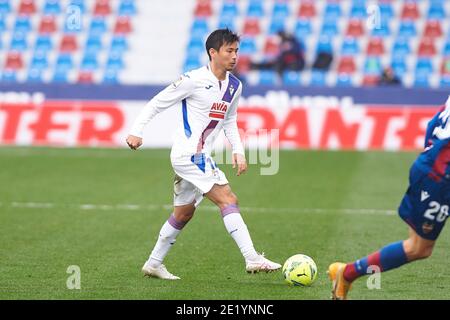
199, 28
98, 26
382, 30
64, 62
5, 7
358, 11
436, 11
248, 46
350, 46
34, 75
372, 66
398, 65
22, 24
407, 29
89, 62
267, 77
127, 8
80, 4
446, 48
421, 80
226, 22
318, 78
229, 9
424, 66
332, 11
445, 81
280, 10
255, 9
276, 25
401, 48
195, 47
119, 44
291, 78
2, 22
18, 42
93, 44
111, 76
43, 43
329, 28
39, 60
303, 28
191, 64
324, 45
60, 75
344, 80
386, 10
9, 76
52, 7
115, 61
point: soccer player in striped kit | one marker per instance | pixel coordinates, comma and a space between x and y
208, 99
424, 208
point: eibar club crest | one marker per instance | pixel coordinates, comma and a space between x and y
231, 90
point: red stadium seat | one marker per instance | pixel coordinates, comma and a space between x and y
306, 9
14, 61
271, 47
346, 65
433, 29
102, 8
123, 25
426, 48
445, 66
251, 27
243, 65
370, 80
375, 47
203, 9
27, 7
85, 77
355, 28
410, 11
68, 43
47, 25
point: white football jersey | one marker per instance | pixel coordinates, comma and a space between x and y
207, 106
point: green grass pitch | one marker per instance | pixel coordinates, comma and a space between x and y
101, 209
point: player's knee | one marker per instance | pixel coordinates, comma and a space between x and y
425, 252
417, 252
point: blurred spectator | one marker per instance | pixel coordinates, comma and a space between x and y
291, 56
388, 77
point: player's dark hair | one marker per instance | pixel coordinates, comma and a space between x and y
220, 37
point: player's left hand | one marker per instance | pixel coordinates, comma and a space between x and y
239, 162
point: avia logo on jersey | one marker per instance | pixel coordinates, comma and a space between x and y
218, 110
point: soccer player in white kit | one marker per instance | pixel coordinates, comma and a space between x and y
208, 98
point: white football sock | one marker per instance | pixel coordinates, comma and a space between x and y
167, 237
237, 228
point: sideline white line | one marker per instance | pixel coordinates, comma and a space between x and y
154, 207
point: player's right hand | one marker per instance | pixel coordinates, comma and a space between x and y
134, 142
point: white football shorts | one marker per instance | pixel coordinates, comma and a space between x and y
194, 176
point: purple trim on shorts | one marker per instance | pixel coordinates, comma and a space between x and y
176, 224
231, 208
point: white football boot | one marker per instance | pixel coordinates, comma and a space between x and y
261, 264
158, 272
